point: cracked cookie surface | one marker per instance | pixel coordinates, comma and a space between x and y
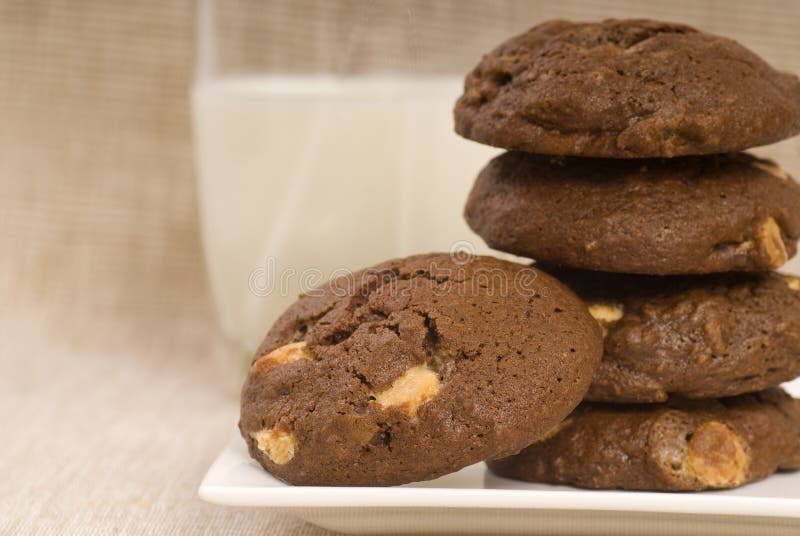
626, 89
689, 215
416, 368
693, 336
681, 445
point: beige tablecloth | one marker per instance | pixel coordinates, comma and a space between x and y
111, 406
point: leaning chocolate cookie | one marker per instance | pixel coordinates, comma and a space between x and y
678, 446
626, 89
693, 336
416, 368
689, 215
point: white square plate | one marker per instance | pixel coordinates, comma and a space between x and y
475, 501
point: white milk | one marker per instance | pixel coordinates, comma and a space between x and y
301, 176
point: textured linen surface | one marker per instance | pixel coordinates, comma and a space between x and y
111, 404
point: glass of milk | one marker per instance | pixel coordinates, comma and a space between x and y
303, 176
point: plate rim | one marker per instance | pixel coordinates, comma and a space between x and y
329, 497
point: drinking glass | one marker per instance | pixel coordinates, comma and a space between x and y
324, 134
332, 161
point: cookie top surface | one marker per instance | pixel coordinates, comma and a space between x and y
694, 336
416, 368
626, 89
678, 446
688, 215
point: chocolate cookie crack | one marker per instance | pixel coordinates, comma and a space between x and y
362, 313
303, 327
551, 127
626, 39
383, 437
437, 357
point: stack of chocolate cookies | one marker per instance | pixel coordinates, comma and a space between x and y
645, 347
624, 180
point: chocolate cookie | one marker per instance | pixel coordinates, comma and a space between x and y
678, 446
416, 368
685, 215
626, 89
694, 336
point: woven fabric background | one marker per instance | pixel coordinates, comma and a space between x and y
110, 403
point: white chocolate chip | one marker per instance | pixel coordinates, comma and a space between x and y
288, 353
771, 168
716, 456
606, 314
416, 386
279, 446
771, 243
793, 282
